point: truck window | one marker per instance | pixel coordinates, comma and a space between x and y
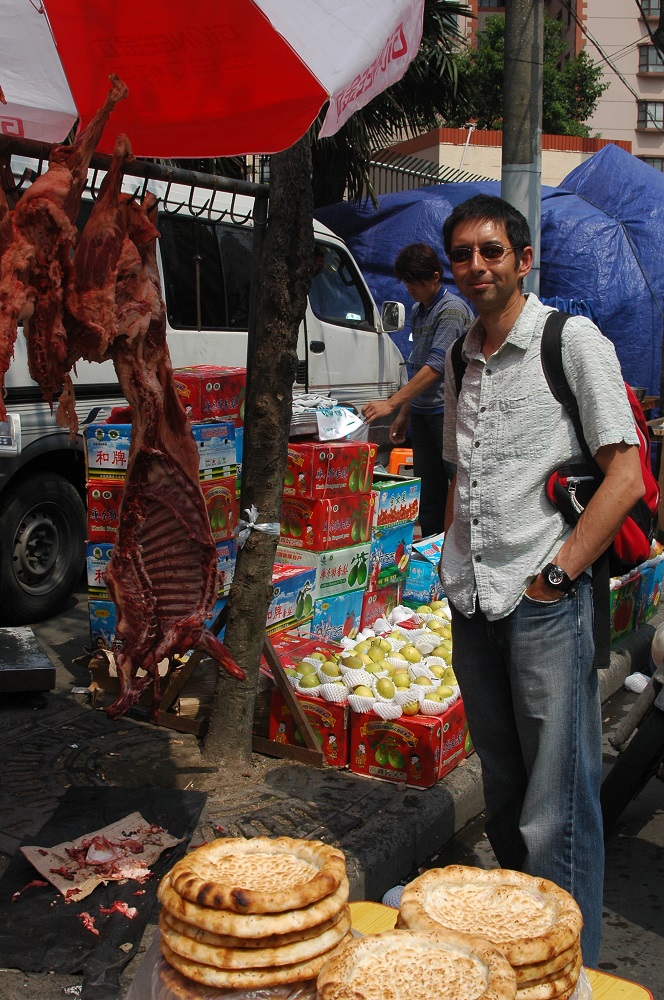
336, 294
214, 257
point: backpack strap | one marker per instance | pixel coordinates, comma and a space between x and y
552, 366
458, 364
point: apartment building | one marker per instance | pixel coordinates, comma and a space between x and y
616, 35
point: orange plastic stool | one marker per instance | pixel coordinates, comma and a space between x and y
399, 457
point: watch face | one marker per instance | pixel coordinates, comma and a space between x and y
555, 576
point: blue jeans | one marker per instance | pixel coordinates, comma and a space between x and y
532, 702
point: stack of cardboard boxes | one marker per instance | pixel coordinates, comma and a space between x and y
214, 400
396, 506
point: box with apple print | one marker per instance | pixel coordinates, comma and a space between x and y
329, 721
390, 554
337, 570
623, 604
379, 603
319, 525
397, 500
415, 750
338, 616
318, 469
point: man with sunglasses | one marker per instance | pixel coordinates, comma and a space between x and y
437, 319
515, 573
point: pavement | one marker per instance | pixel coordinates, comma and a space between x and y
53, 741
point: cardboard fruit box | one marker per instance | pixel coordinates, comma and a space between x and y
222, 506
623, 605
390, 554
211, 392
337, 570
318, 469
103, 498
397, 500
379, 603
319, 525
97, 557
338, 616
217, 456
292, 602
329, 721
650, 588
415, 750
423, 583
106, 450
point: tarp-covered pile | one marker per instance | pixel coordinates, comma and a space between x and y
602, 248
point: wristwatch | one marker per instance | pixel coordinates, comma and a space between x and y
557, 578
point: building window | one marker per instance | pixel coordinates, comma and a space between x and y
482, 4
650, 61
651, 115
650, 7
653, 161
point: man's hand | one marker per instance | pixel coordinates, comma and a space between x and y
540, 590
376, 409
400, 425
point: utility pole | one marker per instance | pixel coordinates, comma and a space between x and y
521, 181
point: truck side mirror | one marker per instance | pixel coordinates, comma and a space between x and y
392, 317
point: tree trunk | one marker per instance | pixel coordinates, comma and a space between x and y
285, 269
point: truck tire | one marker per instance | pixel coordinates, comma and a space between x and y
43, 527
634, 767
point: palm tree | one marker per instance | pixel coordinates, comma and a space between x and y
426, 95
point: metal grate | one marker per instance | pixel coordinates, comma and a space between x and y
394, 172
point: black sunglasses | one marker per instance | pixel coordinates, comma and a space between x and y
488, 251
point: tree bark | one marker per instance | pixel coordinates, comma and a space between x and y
285, 270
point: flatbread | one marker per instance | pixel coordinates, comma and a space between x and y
174, 986
252, 925
259, 875
530, 919
527, 975
414, 965
555, 989
255, 958
228, 941
247, 978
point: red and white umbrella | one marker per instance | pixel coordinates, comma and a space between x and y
209, 77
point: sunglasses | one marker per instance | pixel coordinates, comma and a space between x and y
488, 251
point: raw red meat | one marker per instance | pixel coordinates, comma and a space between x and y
162, 576
120, 907
44, 217
88, 922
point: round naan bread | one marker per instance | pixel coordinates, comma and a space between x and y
252, 925
553, 989
259, 875
243, 979
254, 958
529, 919
228, 941
539, 972
414, 965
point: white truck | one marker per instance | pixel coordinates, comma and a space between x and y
205, 258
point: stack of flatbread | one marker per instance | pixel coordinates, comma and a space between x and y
417, 965
532, 921
254, 913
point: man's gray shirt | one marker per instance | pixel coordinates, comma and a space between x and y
506, 434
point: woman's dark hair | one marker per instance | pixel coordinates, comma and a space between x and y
489, 208
417, 262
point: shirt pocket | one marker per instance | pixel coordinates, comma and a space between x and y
524, 424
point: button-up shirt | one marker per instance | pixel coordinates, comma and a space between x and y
506, 433
435, 328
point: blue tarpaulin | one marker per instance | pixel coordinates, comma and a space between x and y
602, 249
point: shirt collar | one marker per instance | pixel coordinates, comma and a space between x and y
520, 335
421, 308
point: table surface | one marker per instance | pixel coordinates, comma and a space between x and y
369, 918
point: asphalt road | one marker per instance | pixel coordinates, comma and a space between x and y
633, 917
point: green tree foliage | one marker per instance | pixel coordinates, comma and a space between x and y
571, 90
425, 97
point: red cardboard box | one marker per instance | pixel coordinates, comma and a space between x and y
329, 721
222, 505
326, 524
379, 603
414, 750
104, 497
291, 647
211, 392
324, 469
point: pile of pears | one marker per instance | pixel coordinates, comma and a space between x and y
384, 656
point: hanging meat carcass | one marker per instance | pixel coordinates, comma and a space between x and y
44, 220
163, 571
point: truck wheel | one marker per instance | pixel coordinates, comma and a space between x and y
42, 547
634, 767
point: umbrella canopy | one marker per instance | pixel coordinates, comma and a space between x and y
215, 77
